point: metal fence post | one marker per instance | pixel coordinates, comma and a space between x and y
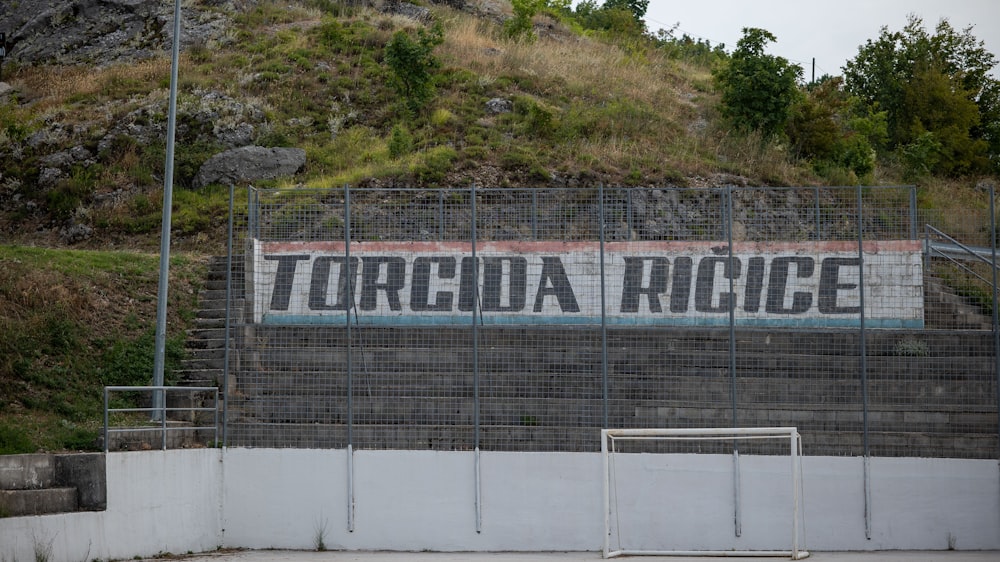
863, 365
996, 324
226, 331
349, 286
728, 222
604, 314
475, 362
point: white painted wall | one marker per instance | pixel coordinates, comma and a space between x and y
196, 500
415, 500
158, 501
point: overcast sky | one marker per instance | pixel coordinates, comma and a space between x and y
830, 30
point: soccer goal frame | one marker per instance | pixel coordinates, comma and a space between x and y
791, 434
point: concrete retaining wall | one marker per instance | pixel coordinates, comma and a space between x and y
196, 500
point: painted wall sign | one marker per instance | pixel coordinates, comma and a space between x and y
646, 283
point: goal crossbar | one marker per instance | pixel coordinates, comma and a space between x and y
712, 434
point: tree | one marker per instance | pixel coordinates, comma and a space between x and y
757, 89
636, 7
413, 62
939, 98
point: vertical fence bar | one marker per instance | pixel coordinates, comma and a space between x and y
819, 219
628, 212
914, 231
996, 324
534, 214
794, 442
863, 366
475, 361
226, 331
604, 316
441, 215
728, 221
347, 356
105, 419
606, 485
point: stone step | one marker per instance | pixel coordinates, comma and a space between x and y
197, 341
26, 472
211, 313
634, 361
14, 503
204, 353
218, 283
211, 334
209, 323
212, 295
204, 363
836, 343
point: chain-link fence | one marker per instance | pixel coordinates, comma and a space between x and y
509, 319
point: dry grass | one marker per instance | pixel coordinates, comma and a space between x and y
577, 65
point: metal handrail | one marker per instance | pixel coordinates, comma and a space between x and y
953, 250
160, 413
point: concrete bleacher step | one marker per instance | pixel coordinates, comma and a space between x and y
38, 484
14, 503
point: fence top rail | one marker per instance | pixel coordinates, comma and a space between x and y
569, 189
707, 432
165, 388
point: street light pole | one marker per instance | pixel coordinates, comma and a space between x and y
168, 188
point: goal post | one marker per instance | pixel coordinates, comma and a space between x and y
612, 438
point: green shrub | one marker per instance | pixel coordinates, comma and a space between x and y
412, 62
400, 141
13, 441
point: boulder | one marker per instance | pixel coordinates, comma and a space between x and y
250, 163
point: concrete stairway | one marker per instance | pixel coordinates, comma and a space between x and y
541, 389
205, 344
42, 483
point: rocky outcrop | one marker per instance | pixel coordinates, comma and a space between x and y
250, 163
100, 31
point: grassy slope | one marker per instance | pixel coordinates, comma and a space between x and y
73, 321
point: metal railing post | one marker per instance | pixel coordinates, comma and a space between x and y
863, 365
227, 334
105, 419
475, 363
737, 506
996, 323
349, 286
605, 390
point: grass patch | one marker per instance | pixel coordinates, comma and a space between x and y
74, 321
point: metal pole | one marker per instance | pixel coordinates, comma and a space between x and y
606, 487
534, 214
737, 505
604, 318
914, 231
628, 211
229, 300
818, 233
350, 378
105, 419
795, 493
863, 365
996, 323
441, 215
168, 188
475, 362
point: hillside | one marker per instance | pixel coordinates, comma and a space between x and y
453, 100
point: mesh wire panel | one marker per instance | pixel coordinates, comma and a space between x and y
457, 318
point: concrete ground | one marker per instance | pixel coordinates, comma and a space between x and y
365, 556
